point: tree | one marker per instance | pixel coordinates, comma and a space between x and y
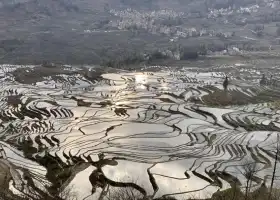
274, 168
278, 31
249, 170
259, 33
125, 193
225, 83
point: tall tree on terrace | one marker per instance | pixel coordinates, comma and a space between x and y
274, 168
225, 83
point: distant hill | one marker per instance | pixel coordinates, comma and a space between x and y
87, 31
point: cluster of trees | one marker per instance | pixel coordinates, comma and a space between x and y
278, 29
10, 44
178, 52
129, 59
124, 59
259, 28
272, 17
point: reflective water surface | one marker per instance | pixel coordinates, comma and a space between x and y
164, 133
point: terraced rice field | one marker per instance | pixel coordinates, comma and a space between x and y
162, 132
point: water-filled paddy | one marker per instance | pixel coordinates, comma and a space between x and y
162, 133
